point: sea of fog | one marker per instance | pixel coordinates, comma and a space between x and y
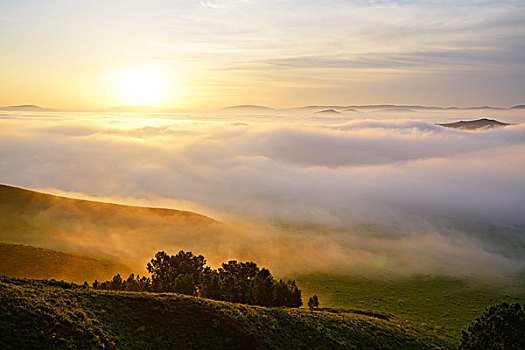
369, 188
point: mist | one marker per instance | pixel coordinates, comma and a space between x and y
379, 191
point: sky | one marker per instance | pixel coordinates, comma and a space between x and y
198, 55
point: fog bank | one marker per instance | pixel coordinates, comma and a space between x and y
379, 190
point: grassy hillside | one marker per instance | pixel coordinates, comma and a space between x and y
448, 304
19, 260
99, 229
49, 314
131, 235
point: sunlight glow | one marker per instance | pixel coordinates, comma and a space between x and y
142, 87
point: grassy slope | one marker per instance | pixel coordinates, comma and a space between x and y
448, 304
43, 314
88, 227
95, 228
19, 260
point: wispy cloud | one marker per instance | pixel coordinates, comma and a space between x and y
252, 47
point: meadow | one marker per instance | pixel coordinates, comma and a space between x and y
438, 305
51, 314
447, 304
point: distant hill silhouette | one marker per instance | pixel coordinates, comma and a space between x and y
400, 109
143, 109
30, 108
328, 111
247, 108
477, 124
518, 107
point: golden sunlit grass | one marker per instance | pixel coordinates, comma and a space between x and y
19, 260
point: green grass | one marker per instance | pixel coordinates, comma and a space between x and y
443, 303
49, 314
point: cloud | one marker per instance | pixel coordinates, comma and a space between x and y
223, 4
404, 191
446, 59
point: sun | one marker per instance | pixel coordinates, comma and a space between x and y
141, 87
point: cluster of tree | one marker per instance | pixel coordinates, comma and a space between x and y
500, 327
131, 284
185, 273
313, 302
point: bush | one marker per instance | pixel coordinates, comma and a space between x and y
500, 327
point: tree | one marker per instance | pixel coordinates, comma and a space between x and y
499, 327
210, 286
179, 273
131, 284
261, 289
294, 298
116, 282
236, 280
313, 302
185, 273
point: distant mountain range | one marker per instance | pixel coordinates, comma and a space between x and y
354, 108
475, 124
405, 107
257, 108
133, 109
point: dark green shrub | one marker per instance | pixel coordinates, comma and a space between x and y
500, 327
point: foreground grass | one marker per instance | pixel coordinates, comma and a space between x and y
49, 314
445, 304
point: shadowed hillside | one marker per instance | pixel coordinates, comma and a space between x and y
18, 260
67, 316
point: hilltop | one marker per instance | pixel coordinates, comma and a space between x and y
329, 111
51, 314
477, 124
